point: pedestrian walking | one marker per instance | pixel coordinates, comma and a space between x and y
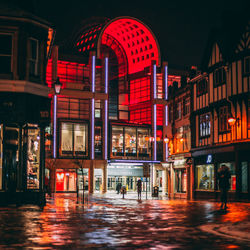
224, 184
139, 186
118, 187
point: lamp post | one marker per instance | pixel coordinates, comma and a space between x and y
57, 87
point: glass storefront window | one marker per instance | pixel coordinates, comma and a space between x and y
244, 177
1, 156
143, 142
117, 141
74, 139
181, 180
205, 177
65, 180
231, 167
98, 141
130, 141
33, 158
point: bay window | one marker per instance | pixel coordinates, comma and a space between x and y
74, 138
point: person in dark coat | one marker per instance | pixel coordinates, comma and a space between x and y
139, 187
224, 177
118, 187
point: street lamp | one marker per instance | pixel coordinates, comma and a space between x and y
57, 86
232, 120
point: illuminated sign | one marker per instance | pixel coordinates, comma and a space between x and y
209, 159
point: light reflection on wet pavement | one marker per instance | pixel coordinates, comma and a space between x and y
114, 223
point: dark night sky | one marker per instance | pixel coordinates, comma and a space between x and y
181, 27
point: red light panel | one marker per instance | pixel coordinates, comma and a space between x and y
137, 41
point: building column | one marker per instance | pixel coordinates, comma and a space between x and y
91, 177
164, 182
104, 178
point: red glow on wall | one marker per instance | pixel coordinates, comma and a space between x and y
137, 41
70, 72
49, 73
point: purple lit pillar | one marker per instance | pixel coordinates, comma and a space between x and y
165, 84
92, 110
54, 125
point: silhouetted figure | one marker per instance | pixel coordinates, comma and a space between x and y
224, 176
118, 187
139, 186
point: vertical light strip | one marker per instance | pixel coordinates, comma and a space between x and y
154, 80
93, 74
166, 151
166, 82
106, 75
106, 130
166, 115
92, 128
155, 126
54, 128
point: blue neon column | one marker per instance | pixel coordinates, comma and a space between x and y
92, 124
154, 131
166, 107
54, 125
106, 110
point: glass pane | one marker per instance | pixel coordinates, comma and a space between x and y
117, 141
1, 155
244, 174
205, 177
5, 62
33, 49
33, 158
130, 141
6, 44
80, 139
231, 167
143, 142
98, 140
66, 138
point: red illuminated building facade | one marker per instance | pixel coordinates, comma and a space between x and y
109, 119
221, 114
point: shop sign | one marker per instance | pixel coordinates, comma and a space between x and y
209, 159
179, 162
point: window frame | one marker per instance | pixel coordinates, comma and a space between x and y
245, 72
202, 87
11, 55
30, 59
223, 126
221, 74
205, 128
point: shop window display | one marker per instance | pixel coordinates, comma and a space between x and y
117, 141
143, 142
130, 141
33, 158
66, 180
205, 177
231, 167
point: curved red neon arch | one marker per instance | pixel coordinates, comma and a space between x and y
137, 40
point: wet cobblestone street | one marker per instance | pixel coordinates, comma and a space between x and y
110, 222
